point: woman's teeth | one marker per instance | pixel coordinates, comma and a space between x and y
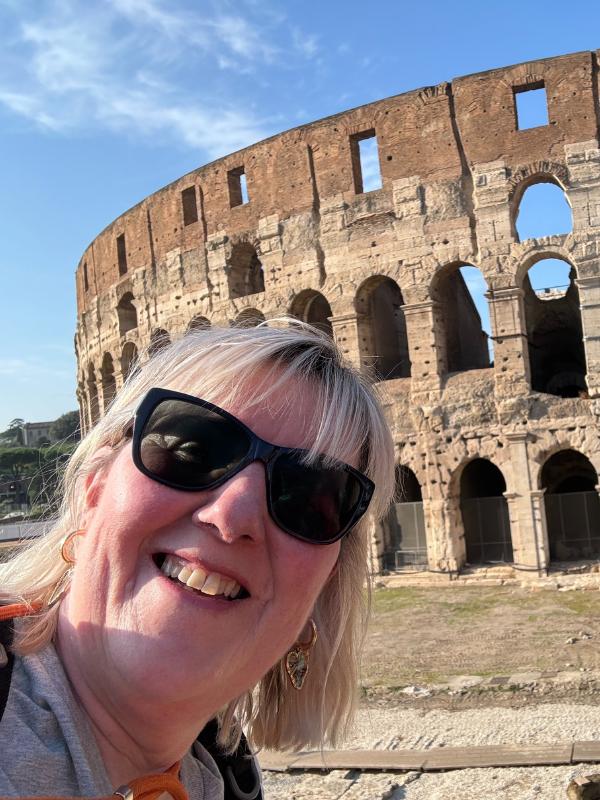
210, 583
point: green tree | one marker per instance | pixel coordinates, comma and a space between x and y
19, 462
66, 427
13, 435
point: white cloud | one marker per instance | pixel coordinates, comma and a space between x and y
144, 67
305, 43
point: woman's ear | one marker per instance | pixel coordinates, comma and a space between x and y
93, 486
94, 481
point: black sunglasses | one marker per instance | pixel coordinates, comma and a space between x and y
193, 445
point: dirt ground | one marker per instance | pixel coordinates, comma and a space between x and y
424, 635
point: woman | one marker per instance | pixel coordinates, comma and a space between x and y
215, 548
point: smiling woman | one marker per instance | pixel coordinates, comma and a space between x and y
212, 576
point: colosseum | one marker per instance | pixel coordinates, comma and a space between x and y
498, 456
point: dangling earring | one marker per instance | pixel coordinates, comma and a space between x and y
67, 556
296, 660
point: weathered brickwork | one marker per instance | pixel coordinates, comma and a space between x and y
380, 271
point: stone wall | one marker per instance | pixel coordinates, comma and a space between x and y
454, 167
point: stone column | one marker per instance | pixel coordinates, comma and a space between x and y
271, 251
492, 210
218, 251
422, 319
445, 549
589, 298
512, 375
346, 336
526, 511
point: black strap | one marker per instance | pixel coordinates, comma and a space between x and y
7, 660
239, 770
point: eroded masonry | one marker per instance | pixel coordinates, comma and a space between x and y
498, 454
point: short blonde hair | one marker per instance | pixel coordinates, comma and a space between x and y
221, 365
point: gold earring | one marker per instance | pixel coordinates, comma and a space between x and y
296, 660
67, 556
65, 548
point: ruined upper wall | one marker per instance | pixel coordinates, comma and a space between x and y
439, 133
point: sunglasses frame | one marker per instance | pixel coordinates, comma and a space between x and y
259, 450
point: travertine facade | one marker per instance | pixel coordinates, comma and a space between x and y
380, 270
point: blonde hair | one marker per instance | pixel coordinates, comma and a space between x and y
222, 365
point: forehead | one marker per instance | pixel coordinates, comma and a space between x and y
287, 416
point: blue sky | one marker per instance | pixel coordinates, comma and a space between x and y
104, 101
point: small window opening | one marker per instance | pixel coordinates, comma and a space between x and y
531, 106
122, 254
238, 187
365, 162
190, 207
86, 284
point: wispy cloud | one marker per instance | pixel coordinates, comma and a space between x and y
145, 67
30, 370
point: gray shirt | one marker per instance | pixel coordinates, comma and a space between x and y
47, 746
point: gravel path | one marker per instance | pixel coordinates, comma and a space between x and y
413, 728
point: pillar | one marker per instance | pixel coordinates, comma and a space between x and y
589, 298
512, 375
526, 510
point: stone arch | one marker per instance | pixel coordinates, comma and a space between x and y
158, 341
383, 340
127, 314
555, 203
107, 376
484, 511
129, 360
536, 172
572, 506
197, 323
461, 341
249, 318
245, 274
555, 335
313, 307
403, 531
92, 391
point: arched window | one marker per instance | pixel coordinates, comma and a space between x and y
198, 323
403, 530
129, 360
312, 307
544, 210
244, 271
109, 386
485, 513
463, 329
249, 318
127, 314
554, 329
572, 506
382, 328
159, 339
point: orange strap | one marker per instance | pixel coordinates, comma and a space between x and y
150, 787
18, 610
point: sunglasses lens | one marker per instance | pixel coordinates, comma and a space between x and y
191, 447
312, 501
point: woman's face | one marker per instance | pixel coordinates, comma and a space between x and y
139, 625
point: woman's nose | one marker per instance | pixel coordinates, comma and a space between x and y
238, 508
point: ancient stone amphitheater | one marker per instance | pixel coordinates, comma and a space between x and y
498, 459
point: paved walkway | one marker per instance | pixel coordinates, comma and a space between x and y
438, 758
526, 753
